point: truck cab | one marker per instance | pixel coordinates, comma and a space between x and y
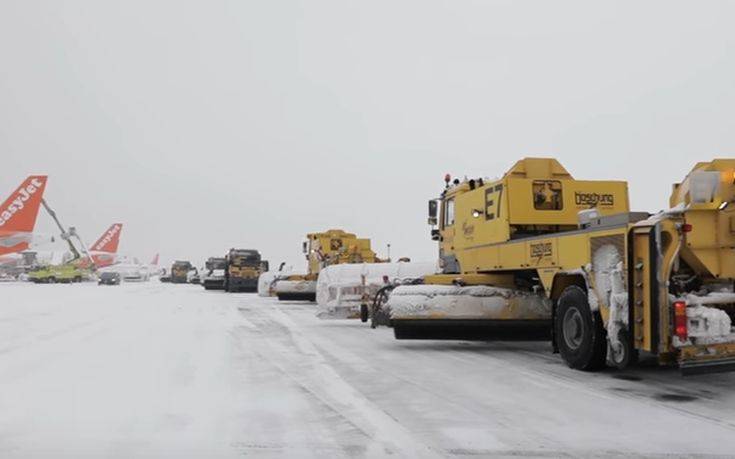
243, 268
180, 272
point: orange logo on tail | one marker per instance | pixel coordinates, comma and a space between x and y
18, 215
19, 211
109, 240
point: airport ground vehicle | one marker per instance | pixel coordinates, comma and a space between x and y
324, 249
109, 278
540, 253
180, 272
243, 267
67, 272
214, 274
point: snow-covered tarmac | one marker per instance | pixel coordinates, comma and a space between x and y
157, 370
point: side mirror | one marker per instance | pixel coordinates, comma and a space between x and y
435, 235
264, 266
433, 212
305, 247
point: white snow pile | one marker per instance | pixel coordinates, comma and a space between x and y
267, 280
708, 325
341, 288
609, 289
475, 302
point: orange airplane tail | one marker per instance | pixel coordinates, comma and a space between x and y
109, 240
18, 214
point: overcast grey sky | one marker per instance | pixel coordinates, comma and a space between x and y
211, 124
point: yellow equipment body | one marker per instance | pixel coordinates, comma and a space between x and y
327, 248
243, 268
538, 253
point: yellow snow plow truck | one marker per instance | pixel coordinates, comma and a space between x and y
538, 253
331, 247
243, 268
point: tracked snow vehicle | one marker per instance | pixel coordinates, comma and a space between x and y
540, 254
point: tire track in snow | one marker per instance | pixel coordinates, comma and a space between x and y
310, 370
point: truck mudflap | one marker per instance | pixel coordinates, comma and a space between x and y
705, 359
471, 329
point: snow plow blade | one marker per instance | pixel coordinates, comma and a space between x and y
472, 330
693, 368
297, 296
295, 290
476, 313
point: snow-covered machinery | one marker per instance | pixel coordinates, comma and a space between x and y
243, 268
324, 249
214, 273
267, 280
343, 291
180, 270
69, 270
538, 253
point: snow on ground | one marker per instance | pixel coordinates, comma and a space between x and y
160, 370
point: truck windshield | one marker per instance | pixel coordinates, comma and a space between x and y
245, 259
216, 264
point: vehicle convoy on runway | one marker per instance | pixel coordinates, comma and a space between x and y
331, 247
538, 253
214, 273
180, 272
243, 267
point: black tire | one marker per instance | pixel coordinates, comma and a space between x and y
51, 280
580, 335
627, 355
364, 313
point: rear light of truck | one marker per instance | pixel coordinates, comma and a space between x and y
686, 228
680, 320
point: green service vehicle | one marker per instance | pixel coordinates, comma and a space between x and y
69, 271
66, 273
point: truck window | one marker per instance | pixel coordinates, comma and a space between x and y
449, 212
547, 195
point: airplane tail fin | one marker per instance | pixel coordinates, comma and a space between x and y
109, 240
19, 212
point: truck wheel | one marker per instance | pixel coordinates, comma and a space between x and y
51, 280
364, 316
625, 355
579, 332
